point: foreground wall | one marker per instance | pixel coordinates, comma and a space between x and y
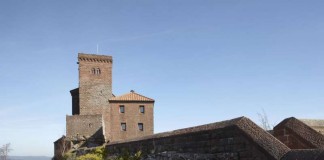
239, 138
85, 127
297, 135
234, 139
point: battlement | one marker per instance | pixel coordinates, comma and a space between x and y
94, 58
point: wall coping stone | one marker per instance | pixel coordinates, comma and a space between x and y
262, 138
94, 58
304, 131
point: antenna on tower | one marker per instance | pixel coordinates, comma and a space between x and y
97, 48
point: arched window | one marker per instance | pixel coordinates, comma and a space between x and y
95, 71
98, 71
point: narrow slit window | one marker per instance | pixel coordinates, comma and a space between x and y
140, 126
98, 71
142, 109
123, 126
93, 71
122, 109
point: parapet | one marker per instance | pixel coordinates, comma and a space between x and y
94, 58
238, 138
131, 97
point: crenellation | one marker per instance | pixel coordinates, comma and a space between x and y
94, 58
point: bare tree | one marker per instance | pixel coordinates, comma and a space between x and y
4, 151
264, 120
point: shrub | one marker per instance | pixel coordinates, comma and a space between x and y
90, 156
96, 154
69, 156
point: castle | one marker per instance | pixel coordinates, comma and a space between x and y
98, 116
125, 123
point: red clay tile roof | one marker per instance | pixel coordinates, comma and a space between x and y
131, 97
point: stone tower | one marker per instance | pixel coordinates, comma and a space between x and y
97, 115
95, 83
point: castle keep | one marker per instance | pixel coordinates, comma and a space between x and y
98, 116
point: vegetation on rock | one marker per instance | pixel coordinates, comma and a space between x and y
100, 154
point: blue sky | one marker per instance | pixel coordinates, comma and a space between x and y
202, 61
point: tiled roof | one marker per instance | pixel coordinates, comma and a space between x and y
131, 97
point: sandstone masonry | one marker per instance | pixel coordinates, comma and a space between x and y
98, 116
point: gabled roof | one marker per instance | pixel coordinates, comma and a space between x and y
131, 97
304, 131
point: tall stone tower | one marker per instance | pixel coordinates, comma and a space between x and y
95, 83
97, 115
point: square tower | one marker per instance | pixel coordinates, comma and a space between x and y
95, 83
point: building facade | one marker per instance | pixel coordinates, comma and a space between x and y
98, 116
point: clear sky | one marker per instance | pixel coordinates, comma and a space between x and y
202, 61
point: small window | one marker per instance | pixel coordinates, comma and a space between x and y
93, 71
123, 126
140, 126
98, 71
122, 109
142, 109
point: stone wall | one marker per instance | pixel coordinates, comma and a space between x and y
95, 83
297, 135
61, 146
131, 117
85, 127
316, 124
304, 154
75, 101
235, 139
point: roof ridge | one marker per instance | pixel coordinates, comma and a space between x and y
264, 139
142, 96
298, 127
131, 96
